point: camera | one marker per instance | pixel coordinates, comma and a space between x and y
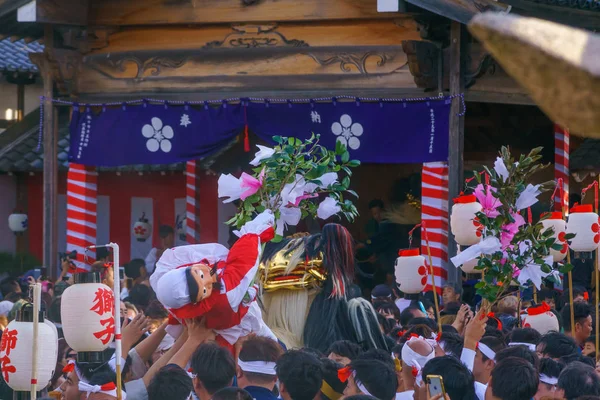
68, 256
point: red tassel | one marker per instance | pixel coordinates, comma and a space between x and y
246, 140
246, 136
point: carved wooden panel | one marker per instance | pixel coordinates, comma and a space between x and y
278, 68
157, 12
240, 36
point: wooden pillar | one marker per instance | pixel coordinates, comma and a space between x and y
50, 140
457, 134
20, 102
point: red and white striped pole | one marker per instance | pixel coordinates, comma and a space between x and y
82, 191
191, 202
434, 212
561, 165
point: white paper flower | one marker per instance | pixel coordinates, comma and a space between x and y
264, 152
528, 197
533, 272
347, 132
328, 179
231, 187
500, 168
158, 136
289, 216
328, 208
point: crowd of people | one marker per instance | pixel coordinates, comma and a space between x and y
469, 353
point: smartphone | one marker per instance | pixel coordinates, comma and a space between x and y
121, 273
435, 385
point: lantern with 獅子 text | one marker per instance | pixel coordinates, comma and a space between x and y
87, 315
16, 352
463, 220
411, 271
142, 229
583, 223
558, 225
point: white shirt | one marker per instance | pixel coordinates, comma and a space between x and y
407, 395
402, 304
480, 389
151, 260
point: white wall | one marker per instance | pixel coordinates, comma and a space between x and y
8, 202
8, 97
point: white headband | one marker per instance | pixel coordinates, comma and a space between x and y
258, 367
108, 389
486, 351
360, 386
528, 345
548, 379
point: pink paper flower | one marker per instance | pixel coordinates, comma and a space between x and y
303, 197
487, 200
251, 184
510, 230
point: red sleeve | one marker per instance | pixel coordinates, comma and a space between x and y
241, 267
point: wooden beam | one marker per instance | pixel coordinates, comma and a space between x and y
457, 135
167, 12
562, 14
50, 179
459, 10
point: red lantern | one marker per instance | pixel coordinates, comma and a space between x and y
411, 271
87, 314
584, 223
556, 222
463, 220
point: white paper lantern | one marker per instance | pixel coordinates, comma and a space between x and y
583, 222
541, 318
142, 229
411, 271
87, 315
16, 353
17, 222
463, 223
556, 222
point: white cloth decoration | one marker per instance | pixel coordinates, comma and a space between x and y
486, 351
231, 187
328, 208
258, 225
489, 245
291, 191
259, 367
288, 216
528, 197
263, 153
533, 272
500, 169
530, 346
548, 379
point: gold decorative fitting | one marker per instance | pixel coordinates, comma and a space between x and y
286, 271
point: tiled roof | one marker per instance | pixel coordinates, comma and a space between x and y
18, 150
14, 56
586, 157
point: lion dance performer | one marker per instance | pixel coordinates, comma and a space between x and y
207, 280
304, 285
